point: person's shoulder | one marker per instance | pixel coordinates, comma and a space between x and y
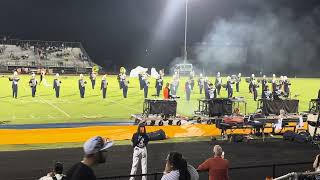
171, 175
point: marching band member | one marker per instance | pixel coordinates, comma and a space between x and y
176, 82
140, 80
82, 86
122, 71
123, 82
286, 86
229, 87
159, 83
274, 83
15, 79
145, 85
200, 83
33, 84
93, 79
206, 88
263, 84
173, 87
218, 83
212, 91
267, 94
56, 85
250, 83
188, 89
238, 80
103, 88
254, 89
281, 83
42, 73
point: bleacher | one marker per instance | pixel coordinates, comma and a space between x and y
69, 57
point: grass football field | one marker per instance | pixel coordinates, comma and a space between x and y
46, 108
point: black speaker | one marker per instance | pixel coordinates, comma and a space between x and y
220, 107
289, 135
237, 138
166, 107
303, 137
157, 135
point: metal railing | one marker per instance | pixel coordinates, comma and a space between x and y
155, 176
296, 175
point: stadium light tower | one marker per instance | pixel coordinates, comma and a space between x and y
185, 34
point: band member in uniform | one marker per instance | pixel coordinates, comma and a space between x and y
263, 84
139, 141
252, 78
103, 88
238, 80
254, 89
188, 89
145, 85
122, 71
212, 91
281, 80
274, 83
218, 83
200, 83
166, 92
42, 73
174, 84
15, 79
206, 88
267, 94
82, 86
286, 86
56, 85
159, 83
140, 80
33, 84
229, 87
124, 83
192, 80
93, 79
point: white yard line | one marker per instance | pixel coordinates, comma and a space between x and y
54, 106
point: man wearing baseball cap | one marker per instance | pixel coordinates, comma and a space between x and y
93, 155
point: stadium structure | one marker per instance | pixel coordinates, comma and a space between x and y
27, 56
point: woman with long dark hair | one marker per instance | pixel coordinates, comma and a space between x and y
177, 168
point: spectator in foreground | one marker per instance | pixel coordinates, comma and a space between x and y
93, 155
139, 140
56, 174
217, 166
177, 168
316, 166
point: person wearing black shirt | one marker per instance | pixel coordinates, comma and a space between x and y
139, 141
93, 155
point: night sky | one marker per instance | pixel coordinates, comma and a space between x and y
126, 32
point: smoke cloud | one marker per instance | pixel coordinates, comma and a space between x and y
270, 41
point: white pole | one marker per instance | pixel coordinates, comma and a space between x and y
185, 33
